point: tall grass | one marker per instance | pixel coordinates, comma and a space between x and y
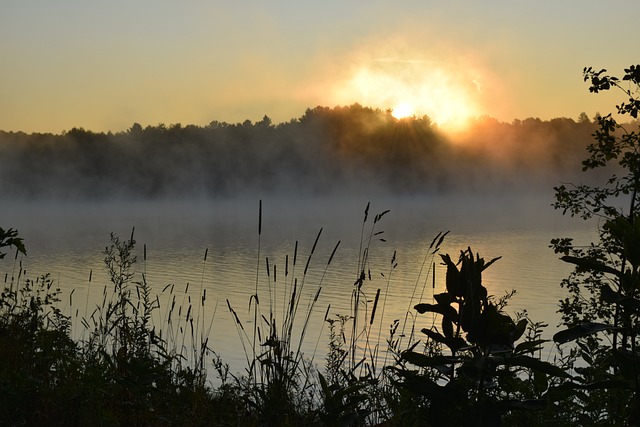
280, 376
141, 358
357, 361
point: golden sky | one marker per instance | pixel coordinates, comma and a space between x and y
104, 65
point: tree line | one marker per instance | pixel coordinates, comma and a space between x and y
326, 150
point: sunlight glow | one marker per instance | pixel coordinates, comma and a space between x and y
448, 95
402, 110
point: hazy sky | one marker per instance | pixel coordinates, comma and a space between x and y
104, 65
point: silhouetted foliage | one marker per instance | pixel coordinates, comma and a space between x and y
480, 377
604, 289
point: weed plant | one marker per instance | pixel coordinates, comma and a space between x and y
358, 388
138, 363
123, 372
280, 380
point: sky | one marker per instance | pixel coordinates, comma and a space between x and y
104, 65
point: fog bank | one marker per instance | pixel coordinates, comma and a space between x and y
353, 151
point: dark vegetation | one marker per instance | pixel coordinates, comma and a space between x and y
327, 150
458, 360
604, 290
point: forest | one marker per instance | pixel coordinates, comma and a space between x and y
326, 150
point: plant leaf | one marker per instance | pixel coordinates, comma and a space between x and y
529, 346
610, 296
590, 265
484, 267
444, 298
581, 330
521, 327
424, 361
454, 343
536, 365
445, 310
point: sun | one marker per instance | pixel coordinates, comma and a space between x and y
402, 110
449, 95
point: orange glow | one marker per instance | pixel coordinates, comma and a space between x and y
448, 94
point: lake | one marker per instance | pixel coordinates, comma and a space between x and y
67, 240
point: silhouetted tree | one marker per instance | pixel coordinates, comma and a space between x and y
346, 148
604, 289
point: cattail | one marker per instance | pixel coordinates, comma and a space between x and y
268, 270
295, 253
433, 277
286, 265
375, 305
441, 239
235, 315
293, 296
306, 267
334, 252
313, 248
434, 240
206, 251
260, 218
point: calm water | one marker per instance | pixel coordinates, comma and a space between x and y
66, 240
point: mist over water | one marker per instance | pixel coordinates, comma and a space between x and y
67, 239
189, 190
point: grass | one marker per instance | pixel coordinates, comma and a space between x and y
137, 362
